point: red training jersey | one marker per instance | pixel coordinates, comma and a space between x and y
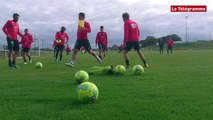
11, 29
68, 49
27, 41
131, 31
101, 38
169, 42
82, 33
61, 36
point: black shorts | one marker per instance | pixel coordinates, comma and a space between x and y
59, 47
12, 44
169, 47
25, 49
101, 47
129, 46
160, 47
84, 43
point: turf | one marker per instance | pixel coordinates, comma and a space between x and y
174, 87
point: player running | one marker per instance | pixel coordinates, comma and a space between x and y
26, 46
61, 38
102, 42
82, 40
131, 39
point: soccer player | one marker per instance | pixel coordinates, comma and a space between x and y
131, 39
160, 43
61, 38
11, 30
102, 42
121, 48
169, 45
68, 49
26, 46
82, 40
82, 49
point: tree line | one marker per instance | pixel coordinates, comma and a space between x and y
151, 40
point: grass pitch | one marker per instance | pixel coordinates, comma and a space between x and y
175, 87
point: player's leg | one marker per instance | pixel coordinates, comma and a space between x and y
74, 55
104, 51
167, 49
94, 54
67, 52
28, 55
61, 52
87, 46
16, 52
100, 50
141, 55
61, 55
127, 48
57, 52
73, 59
10, 51
77, 47
126, 58
162, 49
23, 53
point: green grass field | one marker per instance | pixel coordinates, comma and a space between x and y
175, 87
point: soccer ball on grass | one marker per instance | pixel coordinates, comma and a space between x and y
81, 76
87, 92
138, 70
119, 70
38, 65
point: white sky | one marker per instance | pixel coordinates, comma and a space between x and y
45, 17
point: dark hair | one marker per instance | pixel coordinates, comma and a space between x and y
82, 14
125, 15
63, 27
15, 14
102, 27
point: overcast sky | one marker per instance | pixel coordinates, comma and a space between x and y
45, 17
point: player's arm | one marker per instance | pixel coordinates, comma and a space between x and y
96, 40
126, 33
138, 32
22, 36
67, 38
30, 39
87, 27
106, 40
57, 36
4, 28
